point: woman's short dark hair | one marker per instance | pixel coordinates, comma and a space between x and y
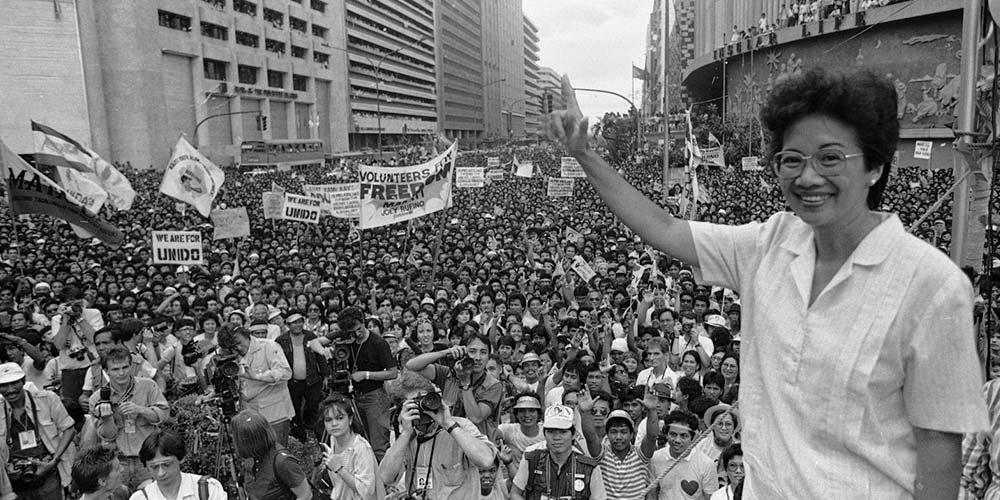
861, 100
733, 450
167, 443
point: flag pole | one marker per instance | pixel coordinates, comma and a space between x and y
13, 221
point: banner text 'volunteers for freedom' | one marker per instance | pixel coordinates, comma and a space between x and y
393, 186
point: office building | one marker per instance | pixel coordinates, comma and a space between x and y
503, 59
459, 45
392, 71
532, 89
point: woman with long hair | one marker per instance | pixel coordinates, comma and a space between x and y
347, 456
274, 474
730, 370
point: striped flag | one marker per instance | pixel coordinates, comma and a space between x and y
80, 170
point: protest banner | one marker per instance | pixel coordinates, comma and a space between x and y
230, 223
712, 154
569, 167
339, 200
177, 247
493, 161
922, 150
274, 204
560, 187
495, 175
301, 208
470, 177
751, 163
192, 178
582, 269
524, 169
396, 194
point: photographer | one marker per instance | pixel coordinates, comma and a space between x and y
179, 361
467, 389
127, 409
38, 433
373, 364
450, 471
265, 373
163, 452
72, 332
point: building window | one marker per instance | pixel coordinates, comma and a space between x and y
215, 70
299, 52
298, 24
274, 46
214, 31
245, 7
300, 83
174, 21
321, 58
247, 74
248, 39
319, 31
216, 4
276, 79
277, 19
318, 5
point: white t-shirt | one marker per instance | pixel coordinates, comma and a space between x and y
518, 442
187, 491
646, 378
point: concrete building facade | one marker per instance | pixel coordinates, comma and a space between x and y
503, 59
532, 89
459, 45
392, 71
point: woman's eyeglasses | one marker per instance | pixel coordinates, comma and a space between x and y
826, 162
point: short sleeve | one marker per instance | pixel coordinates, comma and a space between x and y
725, 253
491, 395
288, 470
384, 355
942, 389
441, 373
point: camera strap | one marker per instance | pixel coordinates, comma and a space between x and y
7, 417
430, 463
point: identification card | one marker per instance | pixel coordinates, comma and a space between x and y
27, 439
422, 479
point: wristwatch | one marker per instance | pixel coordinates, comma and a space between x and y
453, 426
465, 387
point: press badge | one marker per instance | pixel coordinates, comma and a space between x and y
423, 480
27, 439
578, 483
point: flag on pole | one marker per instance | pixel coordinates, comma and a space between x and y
275, 188
639, 73
31, 192
192, 178
81, 166
713, 154
523, 169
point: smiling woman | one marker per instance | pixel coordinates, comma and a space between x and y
839, 296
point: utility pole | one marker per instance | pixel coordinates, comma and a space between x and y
965, 126
664, 46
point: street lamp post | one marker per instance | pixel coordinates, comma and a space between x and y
510, 112
638, 130
378, 88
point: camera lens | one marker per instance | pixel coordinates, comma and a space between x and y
430, 403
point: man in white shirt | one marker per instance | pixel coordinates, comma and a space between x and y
694, 476
657, 352
162, 452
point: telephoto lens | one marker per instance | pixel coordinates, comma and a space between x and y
430, 402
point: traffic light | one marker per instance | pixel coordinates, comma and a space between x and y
263, 123
257, 119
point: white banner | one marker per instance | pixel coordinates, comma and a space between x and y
339, 200
751, 163
301, 208
493, 161
177, 247
569, 167
273, 204
559, 187
525, 169
396, 194
470, 177
922, 150
494, 175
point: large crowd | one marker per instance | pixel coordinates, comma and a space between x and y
471, 329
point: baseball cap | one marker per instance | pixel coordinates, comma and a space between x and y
662, 390
715, 320
558, 417
619, 415
527, 402
293, 317
10, 372
620, 345
736, 338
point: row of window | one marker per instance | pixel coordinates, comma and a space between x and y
183, 23
249, 75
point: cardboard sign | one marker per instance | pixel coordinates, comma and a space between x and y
301, 208
493, 161
751, 163
230, 223
177, 247
525, 169
274, 204
470, 177
339, 200
495, 175
560, 187
922, 150
571, 168
582, 269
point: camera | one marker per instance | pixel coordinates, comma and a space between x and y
226, 383
340, 380
21, 470
429, 403
190, 353
78, 353
466, 363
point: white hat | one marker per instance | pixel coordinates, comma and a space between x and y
528, 358
529, 402
620, 345
715, 320
558, 417
10, 372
